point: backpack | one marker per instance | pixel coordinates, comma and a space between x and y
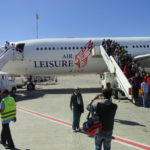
93, 124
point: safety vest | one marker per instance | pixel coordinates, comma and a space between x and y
9, 108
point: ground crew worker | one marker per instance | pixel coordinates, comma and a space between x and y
77, 107
8, 114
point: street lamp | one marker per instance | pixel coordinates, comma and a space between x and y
37, 18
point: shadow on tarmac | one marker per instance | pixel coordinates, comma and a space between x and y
126, 122
30, 95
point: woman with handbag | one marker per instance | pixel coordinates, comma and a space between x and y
77, 107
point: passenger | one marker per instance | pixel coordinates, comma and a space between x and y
7, 45
136, 84
120, 60
13, 46
106, 111
148, 79
135, 67
145, 92
126, 70
108, 89
8, 114
143, 73
148, 82
77, 107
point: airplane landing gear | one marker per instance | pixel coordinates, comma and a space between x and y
30, 86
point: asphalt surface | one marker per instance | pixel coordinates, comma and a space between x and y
44, 118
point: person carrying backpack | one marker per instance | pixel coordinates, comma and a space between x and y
106, 111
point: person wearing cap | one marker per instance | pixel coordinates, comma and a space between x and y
8, 114
77, 107
106, 111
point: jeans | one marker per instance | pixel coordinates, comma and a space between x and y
145, 99
103, 138
76, 119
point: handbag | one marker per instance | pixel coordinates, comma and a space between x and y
93, 124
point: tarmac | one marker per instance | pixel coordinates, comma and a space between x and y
44, 118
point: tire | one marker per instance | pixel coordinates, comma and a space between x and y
30, 86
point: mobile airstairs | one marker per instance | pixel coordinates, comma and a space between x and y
115, 75
8, 55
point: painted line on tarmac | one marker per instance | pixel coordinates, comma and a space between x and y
130, 143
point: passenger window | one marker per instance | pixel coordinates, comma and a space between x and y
147, 46
41, 48
49, 48
126, 46
77, 47
69, 47
133, 46
73, 47
53, 48
45, 48
137, 46
65, 48
61, 48
37, 48
144, 46
140, 46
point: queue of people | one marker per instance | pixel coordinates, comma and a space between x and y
132, 70
8, 45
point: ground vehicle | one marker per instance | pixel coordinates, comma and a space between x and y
7, 82
20, 81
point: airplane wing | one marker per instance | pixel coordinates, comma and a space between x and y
142, 57
144, 60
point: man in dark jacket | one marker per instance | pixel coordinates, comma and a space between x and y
106, 111
77, 107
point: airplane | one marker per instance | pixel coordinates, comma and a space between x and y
67, 55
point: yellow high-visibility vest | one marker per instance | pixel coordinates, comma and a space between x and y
9, 109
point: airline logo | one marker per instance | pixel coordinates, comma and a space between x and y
67, 60
81, 58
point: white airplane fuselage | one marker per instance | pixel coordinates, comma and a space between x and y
69, 55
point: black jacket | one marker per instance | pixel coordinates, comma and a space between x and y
106, 113
73, 103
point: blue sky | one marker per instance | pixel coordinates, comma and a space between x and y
73, 18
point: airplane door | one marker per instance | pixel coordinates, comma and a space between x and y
20, 50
